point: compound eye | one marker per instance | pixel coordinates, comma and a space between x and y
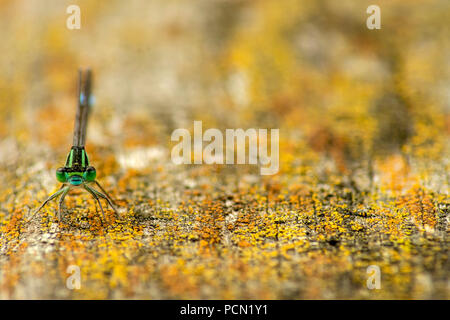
61, 174
90, 173
90, 169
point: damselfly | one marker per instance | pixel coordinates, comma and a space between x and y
77, 172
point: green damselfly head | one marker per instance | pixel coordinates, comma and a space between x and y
77, 169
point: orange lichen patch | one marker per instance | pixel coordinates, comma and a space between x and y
244, 244
209, 224
421, 208
178, 283
395, 173
128, 180
13, 226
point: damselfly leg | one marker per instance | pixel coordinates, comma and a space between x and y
97, 199
61, 201
63, 189
104, 191
101, 195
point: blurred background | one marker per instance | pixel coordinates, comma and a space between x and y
311, 68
